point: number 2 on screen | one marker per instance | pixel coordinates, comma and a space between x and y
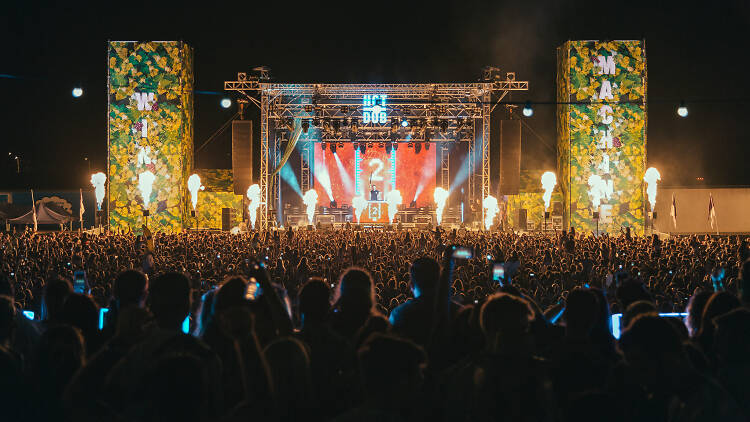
376, 173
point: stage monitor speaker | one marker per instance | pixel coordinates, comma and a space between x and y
522, 218
510, 157
242, 155
226, 219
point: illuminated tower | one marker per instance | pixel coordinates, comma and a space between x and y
601, 131
150, 128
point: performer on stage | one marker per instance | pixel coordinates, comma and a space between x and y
374, 193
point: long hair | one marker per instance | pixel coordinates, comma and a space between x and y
355, 291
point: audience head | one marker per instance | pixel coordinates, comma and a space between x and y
356, 292
169, 298
581, 312
7, 319
424, 274
505, 318
289, 365
652, 347
56, 290
314, 300
81, 312
391, 369
130, 288
695, 307
59, 354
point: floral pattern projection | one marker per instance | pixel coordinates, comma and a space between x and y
219, 193
150, 116
601, 90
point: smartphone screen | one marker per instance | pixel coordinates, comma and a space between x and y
498, 273
29, 314
252, 290
462, 252
102, 313
79, 282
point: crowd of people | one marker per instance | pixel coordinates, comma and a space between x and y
373, 326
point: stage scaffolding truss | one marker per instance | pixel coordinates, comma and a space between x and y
436, 112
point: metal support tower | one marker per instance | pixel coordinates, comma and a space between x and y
304, 165
263, 209
332, 112
445, 168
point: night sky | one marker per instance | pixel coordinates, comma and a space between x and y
695, 53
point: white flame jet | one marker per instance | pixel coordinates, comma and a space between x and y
359, 204
194, 185
393, 199
441, 196
549, 180
597, 190
145, 185
491, 210
253, 194
310, 199
98, 180
651, 177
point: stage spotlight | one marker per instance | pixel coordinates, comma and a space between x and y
381, 145
344, 109
410, 145
333, 147
355, 126
336, 125
333, 204
527, 110
417, 147
77, 92
226, 103
427, 145
404, 123
316, 122
682, 110
308, 108
341, 145
323, 146
362, 148
436, 122
413, 204
388, 148
355, 145
305, 126
395, 146
444, 126
394, 124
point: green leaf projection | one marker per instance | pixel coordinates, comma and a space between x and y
150, 114
601, 124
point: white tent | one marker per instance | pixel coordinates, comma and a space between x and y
44, 215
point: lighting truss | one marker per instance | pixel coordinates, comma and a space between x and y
427, 107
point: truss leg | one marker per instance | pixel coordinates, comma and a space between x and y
486, 111
263, 209
445, 168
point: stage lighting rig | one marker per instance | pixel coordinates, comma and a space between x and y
308, 108
395, 146
341, 145
417, 147
427, 145
323, 146
362, 148
404, 122
388, 148
305, 126
333, 204
333, 147
444, 126
316, 122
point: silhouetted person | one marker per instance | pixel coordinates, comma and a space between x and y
392, 375
129, 288
291, 381
732, 351
81, 312
355, 302
56, 290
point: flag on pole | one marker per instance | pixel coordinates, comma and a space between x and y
81, 209
673, 211
33, 209
712, 212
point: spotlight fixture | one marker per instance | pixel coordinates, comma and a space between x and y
413, 204
333, 204
308, 108
355, 145
682, 110
225, 102
410, 145
336, 125
435, 122
427, 145
417, 147
305, 126
527, 110
78, 91
316, 122
381, 145
395, 146
362, 148
394, 124
344, 109
333, 147
341, 145
323, 146
355, 125
388, 148
404, 123
444, 126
